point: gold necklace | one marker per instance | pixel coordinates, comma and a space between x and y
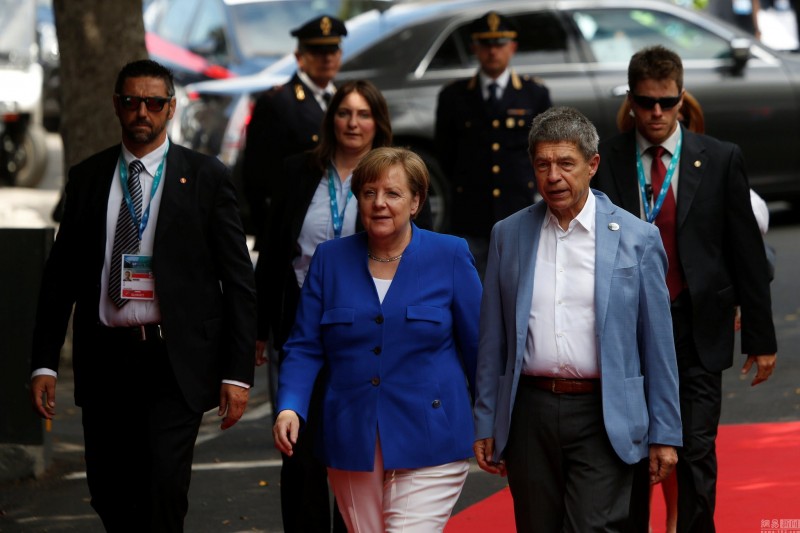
382, 259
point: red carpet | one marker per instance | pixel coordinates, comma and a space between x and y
758, 488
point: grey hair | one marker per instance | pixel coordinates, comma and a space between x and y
559, 124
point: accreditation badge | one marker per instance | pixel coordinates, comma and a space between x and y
138, 282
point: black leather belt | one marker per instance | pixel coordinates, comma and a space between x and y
141, 333
561, 385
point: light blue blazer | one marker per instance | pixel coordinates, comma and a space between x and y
633, 328
403, 369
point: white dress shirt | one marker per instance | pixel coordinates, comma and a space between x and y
318, 223
135, 312
561, 326
670, 145
501, 81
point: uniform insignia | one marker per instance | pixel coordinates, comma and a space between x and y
325, 26
182, 180
493, 20
697, 164
517, 112
515, 81
299, 92
510, 122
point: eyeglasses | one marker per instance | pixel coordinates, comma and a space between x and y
132, 103
648, 102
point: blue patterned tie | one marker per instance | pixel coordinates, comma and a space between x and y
126, 238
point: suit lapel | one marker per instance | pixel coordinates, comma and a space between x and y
692, 167
172, 193
606, 244
530, 228
105, 177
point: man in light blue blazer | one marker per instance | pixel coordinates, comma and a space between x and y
577, 375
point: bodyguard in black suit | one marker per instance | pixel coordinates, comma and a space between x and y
482, 126
717, 261
154, 348
286, 119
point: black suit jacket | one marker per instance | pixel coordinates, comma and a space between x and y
719, 245
278, 293
286, 120
484, 154
203, 276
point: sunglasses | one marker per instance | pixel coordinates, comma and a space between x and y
648, 102
152, 103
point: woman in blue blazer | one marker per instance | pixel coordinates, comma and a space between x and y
390, 318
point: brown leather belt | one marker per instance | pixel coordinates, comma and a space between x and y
561, 385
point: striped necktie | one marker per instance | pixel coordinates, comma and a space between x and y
126, 238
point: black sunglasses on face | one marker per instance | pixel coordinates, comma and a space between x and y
132, 103
648, 102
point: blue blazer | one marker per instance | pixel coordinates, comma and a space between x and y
403, 368
639, 374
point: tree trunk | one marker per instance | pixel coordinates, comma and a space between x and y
96, 39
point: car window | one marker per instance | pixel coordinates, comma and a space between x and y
397, 50
614, 35
541, 40
176, 20
207, 36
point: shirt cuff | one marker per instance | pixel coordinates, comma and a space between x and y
44, 372
237, 383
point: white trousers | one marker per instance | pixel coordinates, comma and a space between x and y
418, 500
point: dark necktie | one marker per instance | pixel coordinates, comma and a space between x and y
665, 221
326, 96
492, 103
126, 238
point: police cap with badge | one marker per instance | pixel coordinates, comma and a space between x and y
493, 29
322, 34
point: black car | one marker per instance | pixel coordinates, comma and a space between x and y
579, 48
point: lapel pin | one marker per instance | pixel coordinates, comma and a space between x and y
183, 180
697, 164
613, 226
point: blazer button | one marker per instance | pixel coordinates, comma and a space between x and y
376, 350
436, 404
379, 319
375, 381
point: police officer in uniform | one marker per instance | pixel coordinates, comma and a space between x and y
482, 126
286, 119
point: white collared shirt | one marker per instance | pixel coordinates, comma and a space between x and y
135, 312
670, 145
318, 222
317, 91
501, 81
561, 324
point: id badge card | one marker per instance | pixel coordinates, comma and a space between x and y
138, 282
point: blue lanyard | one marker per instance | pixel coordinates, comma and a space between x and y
336, 217
651, 214
123, 178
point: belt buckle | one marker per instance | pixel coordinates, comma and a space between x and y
143, 332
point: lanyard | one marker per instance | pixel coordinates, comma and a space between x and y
337, 218
651, 214
123, 178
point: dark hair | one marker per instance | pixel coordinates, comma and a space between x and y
145, 68
326, 148
655, 63
377, 161
564, 124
